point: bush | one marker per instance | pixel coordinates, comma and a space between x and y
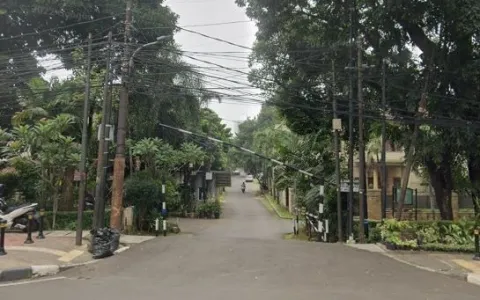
209, 209
10, 178
67, 220
437, 235
144, 194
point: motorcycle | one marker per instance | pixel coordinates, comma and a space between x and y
17, 216
243, 189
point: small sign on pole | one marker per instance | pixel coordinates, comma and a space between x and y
209, 176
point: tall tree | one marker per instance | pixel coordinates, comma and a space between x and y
297, 38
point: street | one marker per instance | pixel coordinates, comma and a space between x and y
242, 256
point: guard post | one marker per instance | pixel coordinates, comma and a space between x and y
3, 227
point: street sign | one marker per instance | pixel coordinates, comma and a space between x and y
345, 186
223, 178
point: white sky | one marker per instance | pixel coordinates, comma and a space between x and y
198, 12
203, 16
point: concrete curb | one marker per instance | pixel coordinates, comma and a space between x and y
37, 271
44, 270
472, 278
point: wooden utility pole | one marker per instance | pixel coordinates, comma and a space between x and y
119, 164
83, 160
384, 143
350, 124
99, 217
336, 130
361, 144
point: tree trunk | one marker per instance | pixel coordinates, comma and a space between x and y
130, 160
441, 180
67, 203
406, 172
379, 171
422, 106
474, 176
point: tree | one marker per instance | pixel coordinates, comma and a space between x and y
296, 38
46, 149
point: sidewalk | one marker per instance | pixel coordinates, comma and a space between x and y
52, 254
460, 266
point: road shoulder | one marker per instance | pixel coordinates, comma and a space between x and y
459, 266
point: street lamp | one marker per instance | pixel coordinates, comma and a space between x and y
119, 162
159, 39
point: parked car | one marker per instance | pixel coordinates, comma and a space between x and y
249, 178
236, 172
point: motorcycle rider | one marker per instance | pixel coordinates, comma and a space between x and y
243, 186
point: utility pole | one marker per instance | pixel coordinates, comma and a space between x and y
83, 160
337, 126
99, 218
119, 164
361, 143
350, 125
384, 142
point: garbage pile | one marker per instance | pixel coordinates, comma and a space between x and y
105, 241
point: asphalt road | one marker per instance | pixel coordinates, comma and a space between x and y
240, 257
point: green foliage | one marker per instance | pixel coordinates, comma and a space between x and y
297, 41
10, 178
67, 220
144, 193
209, 209
439, 235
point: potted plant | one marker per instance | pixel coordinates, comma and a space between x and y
201, 210
216, 209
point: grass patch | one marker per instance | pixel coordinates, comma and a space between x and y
222, 197
300, 237
281, 211
273, 207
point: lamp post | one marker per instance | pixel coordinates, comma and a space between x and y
119, 163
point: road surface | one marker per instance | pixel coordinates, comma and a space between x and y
240, 257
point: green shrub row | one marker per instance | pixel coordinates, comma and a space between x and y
450, 236
67, 220
209, 209
445, 236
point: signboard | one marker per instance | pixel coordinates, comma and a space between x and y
208, 176
78, 176
345, 186
223, 178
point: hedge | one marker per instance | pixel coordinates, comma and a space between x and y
448, 236
67, 220
373, 234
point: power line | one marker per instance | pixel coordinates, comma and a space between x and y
58, 28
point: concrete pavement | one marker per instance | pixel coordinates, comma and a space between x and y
242, 256
50, 255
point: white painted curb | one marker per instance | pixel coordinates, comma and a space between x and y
122, 249
473, 278
45, 270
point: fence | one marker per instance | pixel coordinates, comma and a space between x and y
424, 207
315, 224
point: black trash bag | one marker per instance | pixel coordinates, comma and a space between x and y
115, 236
104, 242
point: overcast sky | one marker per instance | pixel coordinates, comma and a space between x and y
204, 16
225, 66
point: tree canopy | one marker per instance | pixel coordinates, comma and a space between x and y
431, 52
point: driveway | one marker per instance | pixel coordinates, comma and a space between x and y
242, 256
